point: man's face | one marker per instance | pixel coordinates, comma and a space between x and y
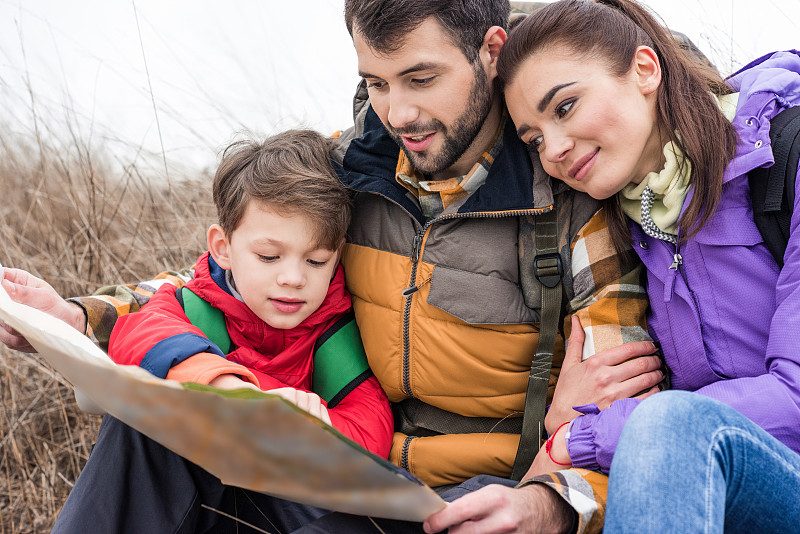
432, 100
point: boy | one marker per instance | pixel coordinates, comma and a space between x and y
272, 270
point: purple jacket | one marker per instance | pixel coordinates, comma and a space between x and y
727, 319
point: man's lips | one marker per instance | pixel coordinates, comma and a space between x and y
582, 166
287, 305
418, 143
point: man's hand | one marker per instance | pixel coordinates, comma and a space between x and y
309, 402
25, 288
500, 509
624, 371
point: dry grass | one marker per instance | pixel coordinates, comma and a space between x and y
79, 221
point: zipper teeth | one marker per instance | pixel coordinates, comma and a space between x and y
404, 454
413, 281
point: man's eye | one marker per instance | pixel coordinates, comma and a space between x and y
375, 85
422, 81
564, 108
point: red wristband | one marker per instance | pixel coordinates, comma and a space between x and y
548, 445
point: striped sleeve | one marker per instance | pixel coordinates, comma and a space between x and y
610, 297
111, 302
585, 491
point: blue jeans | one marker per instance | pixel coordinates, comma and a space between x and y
687, 463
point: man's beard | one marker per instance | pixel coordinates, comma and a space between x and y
459, 136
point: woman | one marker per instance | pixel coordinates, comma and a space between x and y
614, 108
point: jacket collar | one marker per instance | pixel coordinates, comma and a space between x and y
370, 163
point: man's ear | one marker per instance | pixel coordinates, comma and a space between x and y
219, 246
493, 40
648, 69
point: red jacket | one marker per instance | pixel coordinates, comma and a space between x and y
161, 339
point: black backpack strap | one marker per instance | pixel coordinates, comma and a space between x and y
772, 189
548, 270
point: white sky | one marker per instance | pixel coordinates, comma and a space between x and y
213, 68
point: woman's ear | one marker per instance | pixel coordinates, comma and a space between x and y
648, 69
219, 246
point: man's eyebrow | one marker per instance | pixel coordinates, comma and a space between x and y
424, 65
550, 94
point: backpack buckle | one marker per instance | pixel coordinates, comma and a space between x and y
547, 269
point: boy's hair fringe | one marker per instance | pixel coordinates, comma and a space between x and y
292, 173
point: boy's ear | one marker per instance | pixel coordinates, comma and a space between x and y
219, 246
339, 251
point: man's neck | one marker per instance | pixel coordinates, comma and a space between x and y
478, 146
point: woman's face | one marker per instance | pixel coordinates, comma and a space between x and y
594, 130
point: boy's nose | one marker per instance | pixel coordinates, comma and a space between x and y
292, 277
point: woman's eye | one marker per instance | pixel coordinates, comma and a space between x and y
536, 142
564, 108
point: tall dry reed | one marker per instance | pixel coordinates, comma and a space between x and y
80, 220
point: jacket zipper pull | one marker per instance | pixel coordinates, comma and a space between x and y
416, 247
407, 292
669, 286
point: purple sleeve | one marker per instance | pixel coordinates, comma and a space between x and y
594, 435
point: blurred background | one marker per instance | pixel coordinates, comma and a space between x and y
185, 74
112, 117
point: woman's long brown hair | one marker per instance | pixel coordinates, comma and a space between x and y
610, 31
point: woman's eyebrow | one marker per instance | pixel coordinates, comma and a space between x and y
550, 94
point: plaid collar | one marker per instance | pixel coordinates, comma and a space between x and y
441, 197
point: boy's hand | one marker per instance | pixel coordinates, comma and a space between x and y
25, 288
232, 382
310, 402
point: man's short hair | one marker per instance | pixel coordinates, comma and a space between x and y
384, 24
292, 173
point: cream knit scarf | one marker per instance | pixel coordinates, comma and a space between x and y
655, 203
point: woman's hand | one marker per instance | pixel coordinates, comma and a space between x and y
26, 289
625, 371
309, 402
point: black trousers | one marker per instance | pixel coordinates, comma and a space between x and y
132, 484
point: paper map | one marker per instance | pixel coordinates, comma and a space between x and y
263, 444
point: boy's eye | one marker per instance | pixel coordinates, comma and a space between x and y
267, 259
315, 263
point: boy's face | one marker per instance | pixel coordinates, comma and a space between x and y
280, 273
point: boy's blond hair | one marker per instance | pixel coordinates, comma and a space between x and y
292, 173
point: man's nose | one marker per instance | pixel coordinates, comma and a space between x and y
403, 109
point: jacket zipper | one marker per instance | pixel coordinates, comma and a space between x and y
416, 252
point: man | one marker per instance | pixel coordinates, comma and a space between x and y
439, 263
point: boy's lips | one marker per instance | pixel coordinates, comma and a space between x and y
418, 143
581, 167
287, 305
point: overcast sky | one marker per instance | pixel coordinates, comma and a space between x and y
114, 71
